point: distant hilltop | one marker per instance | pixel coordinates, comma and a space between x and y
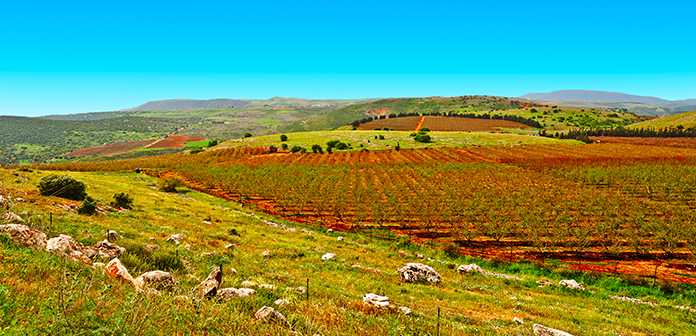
190, 104
584, 95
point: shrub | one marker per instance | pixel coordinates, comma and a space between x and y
341, 145
328, 149
284, 146
247, 135
378, 129
122, 200
195, 150
295, 149
317, 149
422, 137
333, 143
169, 184
62, 186
283, 137
386, 129
381, 137
212, 143
425, 129
273, 149
88, 207
451, 250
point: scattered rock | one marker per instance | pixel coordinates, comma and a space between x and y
628, 299
420, 256
402, 254
340, 238
686, 308
266, 254
248, 284
232, 270
266, 286
376, 300
209, 286
473, 268
540, 330
405, 310
25, 236
298, 290
156, 280
328, 257
572, 284
281, 302
413, 272
208, 254
231, 247
329, 231
176, 238
11, 217
543, 283
268, 314
151, 247
187, 247
518, 320
276, 225
117, 271
66, 246
108, 250
152, 239
112, 235
226, 294
98, 265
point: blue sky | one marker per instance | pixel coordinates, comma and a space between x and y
79, 56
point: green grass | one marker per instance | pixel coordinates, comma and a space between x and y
36, 287
391, 138
687, 120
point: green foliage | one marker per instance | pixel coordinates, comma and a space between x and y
316, 149
283, 137
284, 146
88, 207
342, 146
451, 250
333, 143
247, 135
295, 149
62, 186
212, 143
422, 137
424, 129
122, 200
195, 150
169, 184
381, 137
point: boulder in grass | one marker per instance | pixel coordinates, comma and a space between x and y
66, 246
12, 218
25, 236
472, 268
413, 272
108, 250
281, 302
268, 314
375, 300
572, 284
176, 238
405, 310
266, 254
156, 280
112, 235
540, 330
328, 257
209, 286
117, 271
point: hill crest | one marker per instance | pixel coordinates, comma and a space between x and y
588, 95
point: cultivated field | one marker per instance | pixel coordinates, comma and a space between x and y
442, 124
117, 147
174, 141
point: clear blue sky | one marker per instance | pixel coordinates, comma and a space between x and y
82, 56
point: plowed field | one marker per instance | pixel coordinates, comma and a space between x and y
174, 141
110, 148
443, 124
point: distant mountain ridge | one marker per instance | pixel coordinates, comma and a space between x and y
585, 95
191, 104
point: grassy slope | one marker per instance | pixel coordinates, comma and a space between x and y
556, 118
78, 300
687, 120
391, 138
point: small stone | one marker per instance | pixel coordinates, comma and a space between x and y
376, 300
405, 310
420, 256
227, 294
66, 246
176, 238
248, 284
402, 254
151, 247
471, 268
230, 247
518, 320
266, 286
572, 284
328, 257
112, 235
154, 280
208, 254
268, 314
266, 254
232, 270
329, 231
340, 238
117, 271
301, 290
209, 286
12, 218
108, 250
413, 272
540, 330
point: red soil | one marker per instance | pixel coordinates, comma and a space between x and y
669, 142
174, 141
110, 148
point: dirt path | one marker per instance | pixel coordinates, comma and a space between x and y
420, 124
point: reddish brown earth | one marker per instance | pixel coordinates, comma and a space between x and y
442, 124
110, 148
174, 141
669, 142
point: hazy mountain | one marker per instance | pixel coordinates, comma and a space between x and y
584, 95
190, 104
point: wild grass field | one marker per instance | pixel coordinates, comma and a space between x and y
41, 293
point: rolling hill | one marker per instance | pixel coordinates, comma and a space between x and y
687, 120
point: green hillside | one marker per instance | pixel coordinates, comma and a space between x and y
686, 120
551, 117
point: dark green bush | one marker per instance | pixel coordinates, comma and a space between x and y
451, 250
284, 146
317, 149
212, 143
122, 200
169, 184
88, 207
425, 129
295, 149
283, 137
342, 145
247, 135
62, 186
333, 143
422, 137
195, 150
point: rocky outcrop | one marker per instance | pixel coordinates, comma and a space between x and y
156, 280
281, 302
25, 236
328, 257
112, 235
108, 250
66, 246
209, 286
540, 330
266, 254
572, 284
473, 268
176, 238
11, 217
413, 272
638, 301
117, 271
268, 314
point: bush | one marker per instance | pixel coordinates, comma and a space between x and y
295, 149
283, 137
62, 186
88, 207
195, 150
169, 184
122, 200
212, 143
422, 137
273, 149
317, 149
284, 146
451, 250
333, 143
247, 135
381, 137
342, 145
